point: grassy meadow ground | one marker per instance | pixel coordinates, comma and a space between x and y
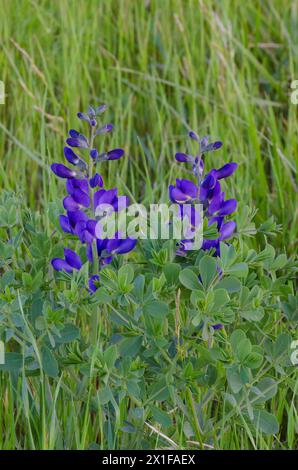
163, 67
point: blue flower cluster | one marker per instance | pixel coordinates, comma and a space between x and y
206, 191
85, 193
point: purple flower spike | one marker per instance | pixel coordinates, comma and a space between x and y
96, 181
62, 171
80, 183
208, 188
105, 129
93, 283
226, 170
115, 154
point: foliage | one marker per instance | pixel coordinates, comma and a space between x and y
146, 341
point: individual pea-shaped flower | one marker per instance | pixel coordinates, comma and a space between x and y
93, 283
115, 154
77, 140
72, 261
185, 190
96, 180
78, 190
68, 222
103, 255
64, 172
218, 326
108, 197
105, 129
184, 158
85, 230
227, 170
120, 246
204, 144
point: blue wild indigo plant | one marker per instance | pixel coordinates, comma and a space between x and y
207, 192
84, 186
207, 334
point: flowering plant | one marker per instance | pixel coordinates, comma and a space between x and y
85, 194
207, 191
179, 329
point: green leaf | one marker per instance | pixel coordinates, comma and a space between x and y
234, 378
156, 309
279, 262
69, 333
253, 360
101, 296
282, 345
220, 299
26, 280
189, 279
160, 416
243, 349
104, 395
210, 375
231, 284
138, 288
266, 422
49, 363
13, 362
197, 296
159, 390
133, 389
171, 272
238, 270
110, 355
130, 346
207, 268
263, 391
125, 275
235, 338
255, 314
228, 255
